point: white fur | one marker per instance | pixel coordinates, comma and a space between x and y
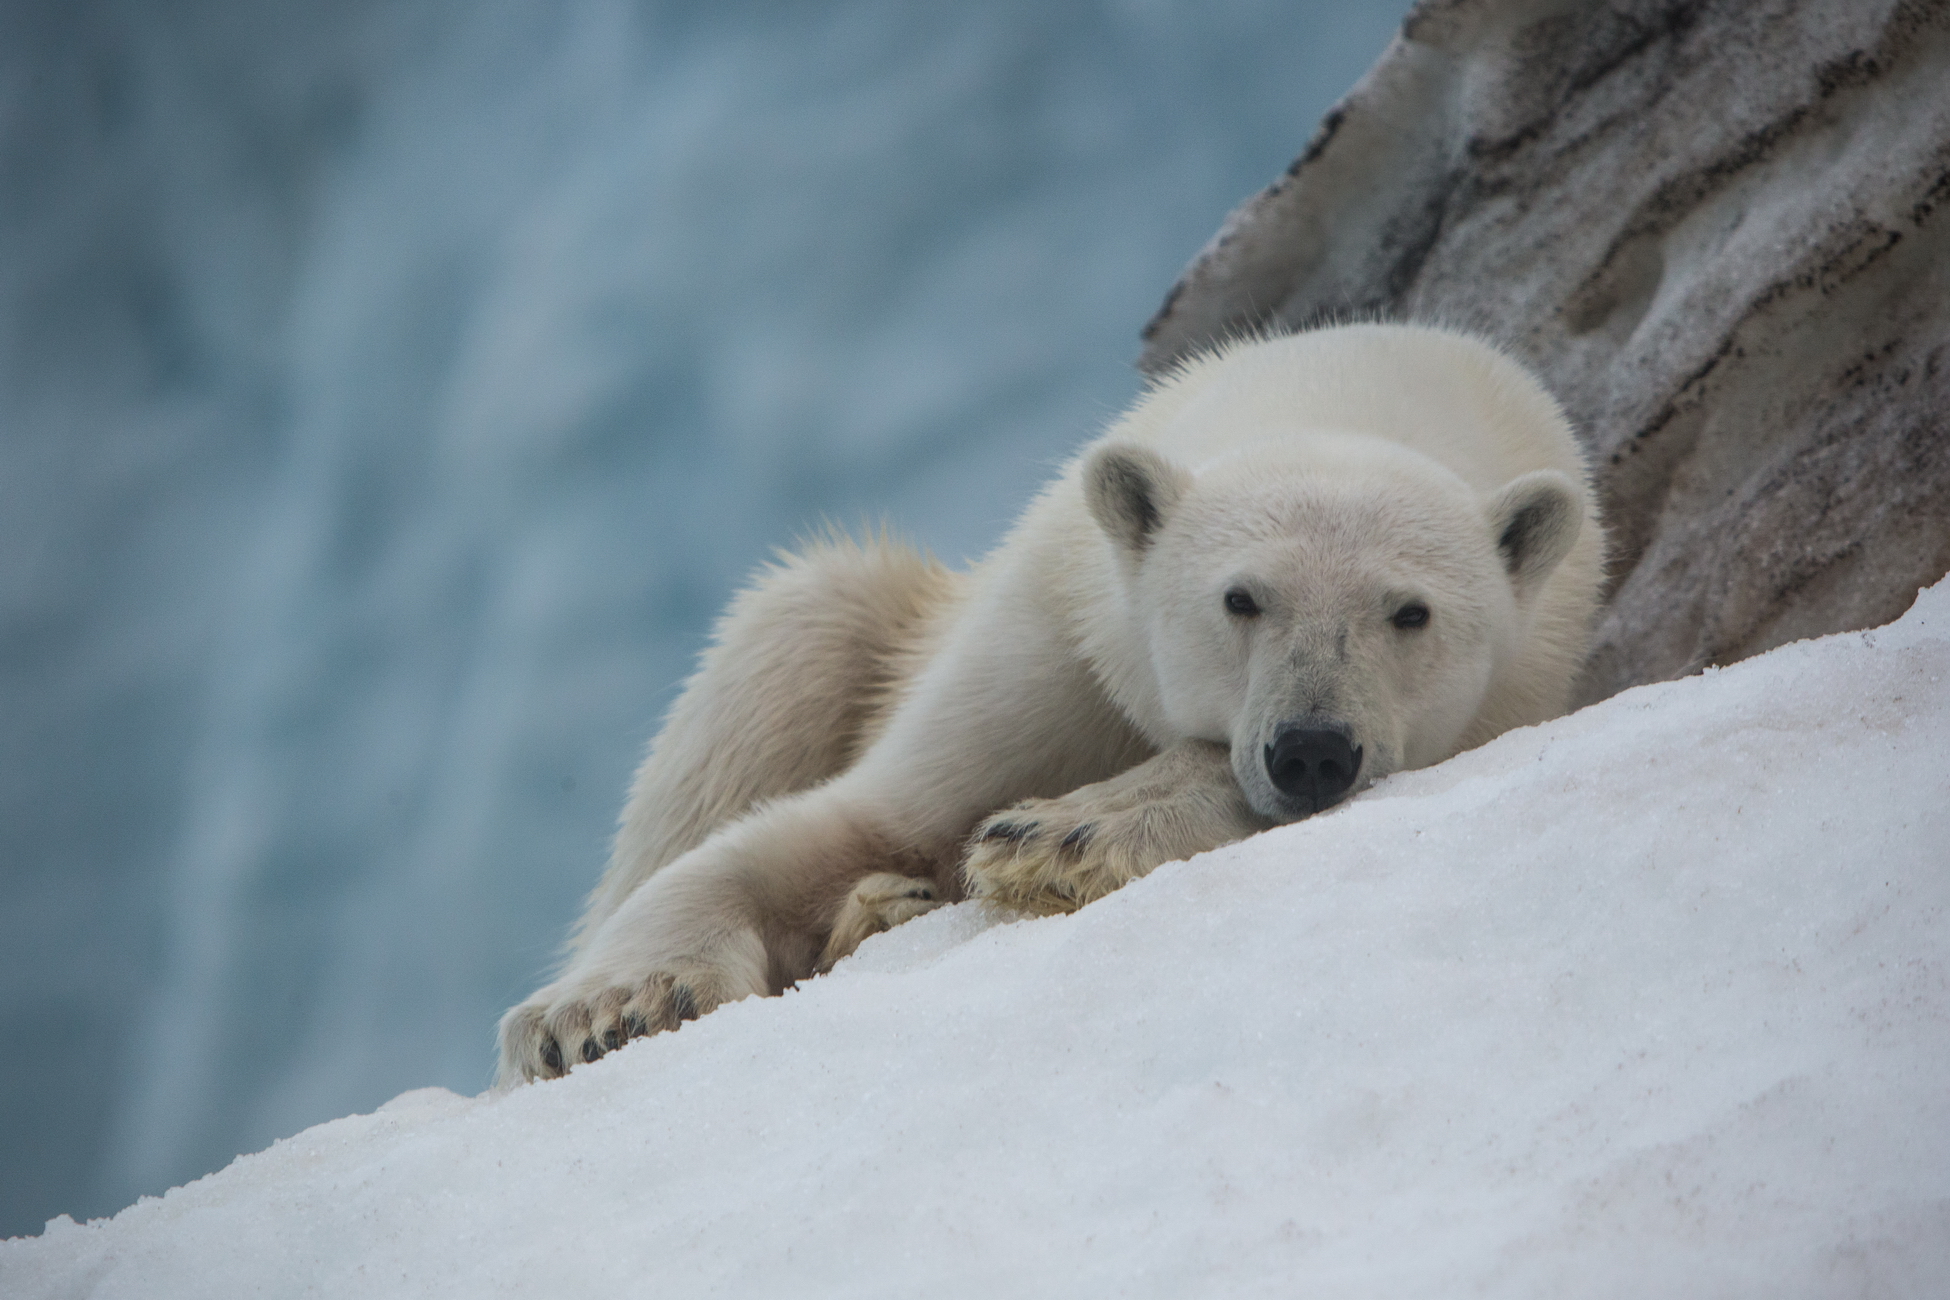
1083, 704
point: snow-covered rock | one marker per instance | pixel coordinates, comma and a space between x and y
1650, 1001
1719, 228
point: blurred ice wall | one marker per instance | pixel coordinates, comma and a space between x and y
391, 392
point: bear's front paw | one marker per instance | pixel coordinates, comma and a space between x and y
1055, 855
567, 1024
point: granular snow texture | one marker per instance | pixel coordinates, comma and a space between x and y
1650, 1001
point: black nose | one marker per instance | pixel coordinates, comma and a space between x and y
1312, 765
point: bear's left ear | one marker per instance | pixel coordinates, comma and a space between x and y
1130, 490
1535, 519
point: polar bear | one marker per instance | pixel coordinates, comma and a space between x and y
1296, 565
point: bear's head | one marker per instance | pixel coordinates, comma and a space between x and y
1334, 607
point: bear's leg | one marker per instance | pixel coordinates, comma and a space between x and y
793, 687
1000, 709
1055, 855
750, 911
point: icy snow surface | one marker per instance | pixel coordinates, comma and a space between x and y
1650, 1001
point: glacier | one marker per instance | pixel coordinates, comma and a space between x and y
1649, 1000
389, 395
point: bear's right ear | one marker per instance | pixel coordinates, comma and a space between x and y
1130, 490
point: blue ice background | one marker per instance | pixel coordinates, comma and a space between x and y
391, 392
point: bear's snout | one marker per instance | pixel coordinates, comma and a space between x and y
1313, 766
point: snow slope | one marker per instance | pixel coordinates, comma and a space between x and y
1654, 1000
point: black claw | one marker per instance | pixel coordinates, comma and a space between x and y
590, 1051
1079, 839
635, 1026
920, 891
612, 1040
683, 1002
1014, 832
552, 1054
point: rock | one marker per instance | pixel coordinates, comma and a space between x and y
1720, 229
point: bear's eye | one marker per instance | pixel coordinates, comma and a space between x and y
1412, 615
1239, 602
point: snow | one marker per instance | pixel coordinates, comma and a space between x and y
1652, 1000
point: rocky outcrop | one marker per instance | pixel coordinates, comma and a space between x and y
1721, 231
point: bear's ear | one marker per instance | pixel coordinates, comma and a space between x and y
1130, 490
1535, 519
